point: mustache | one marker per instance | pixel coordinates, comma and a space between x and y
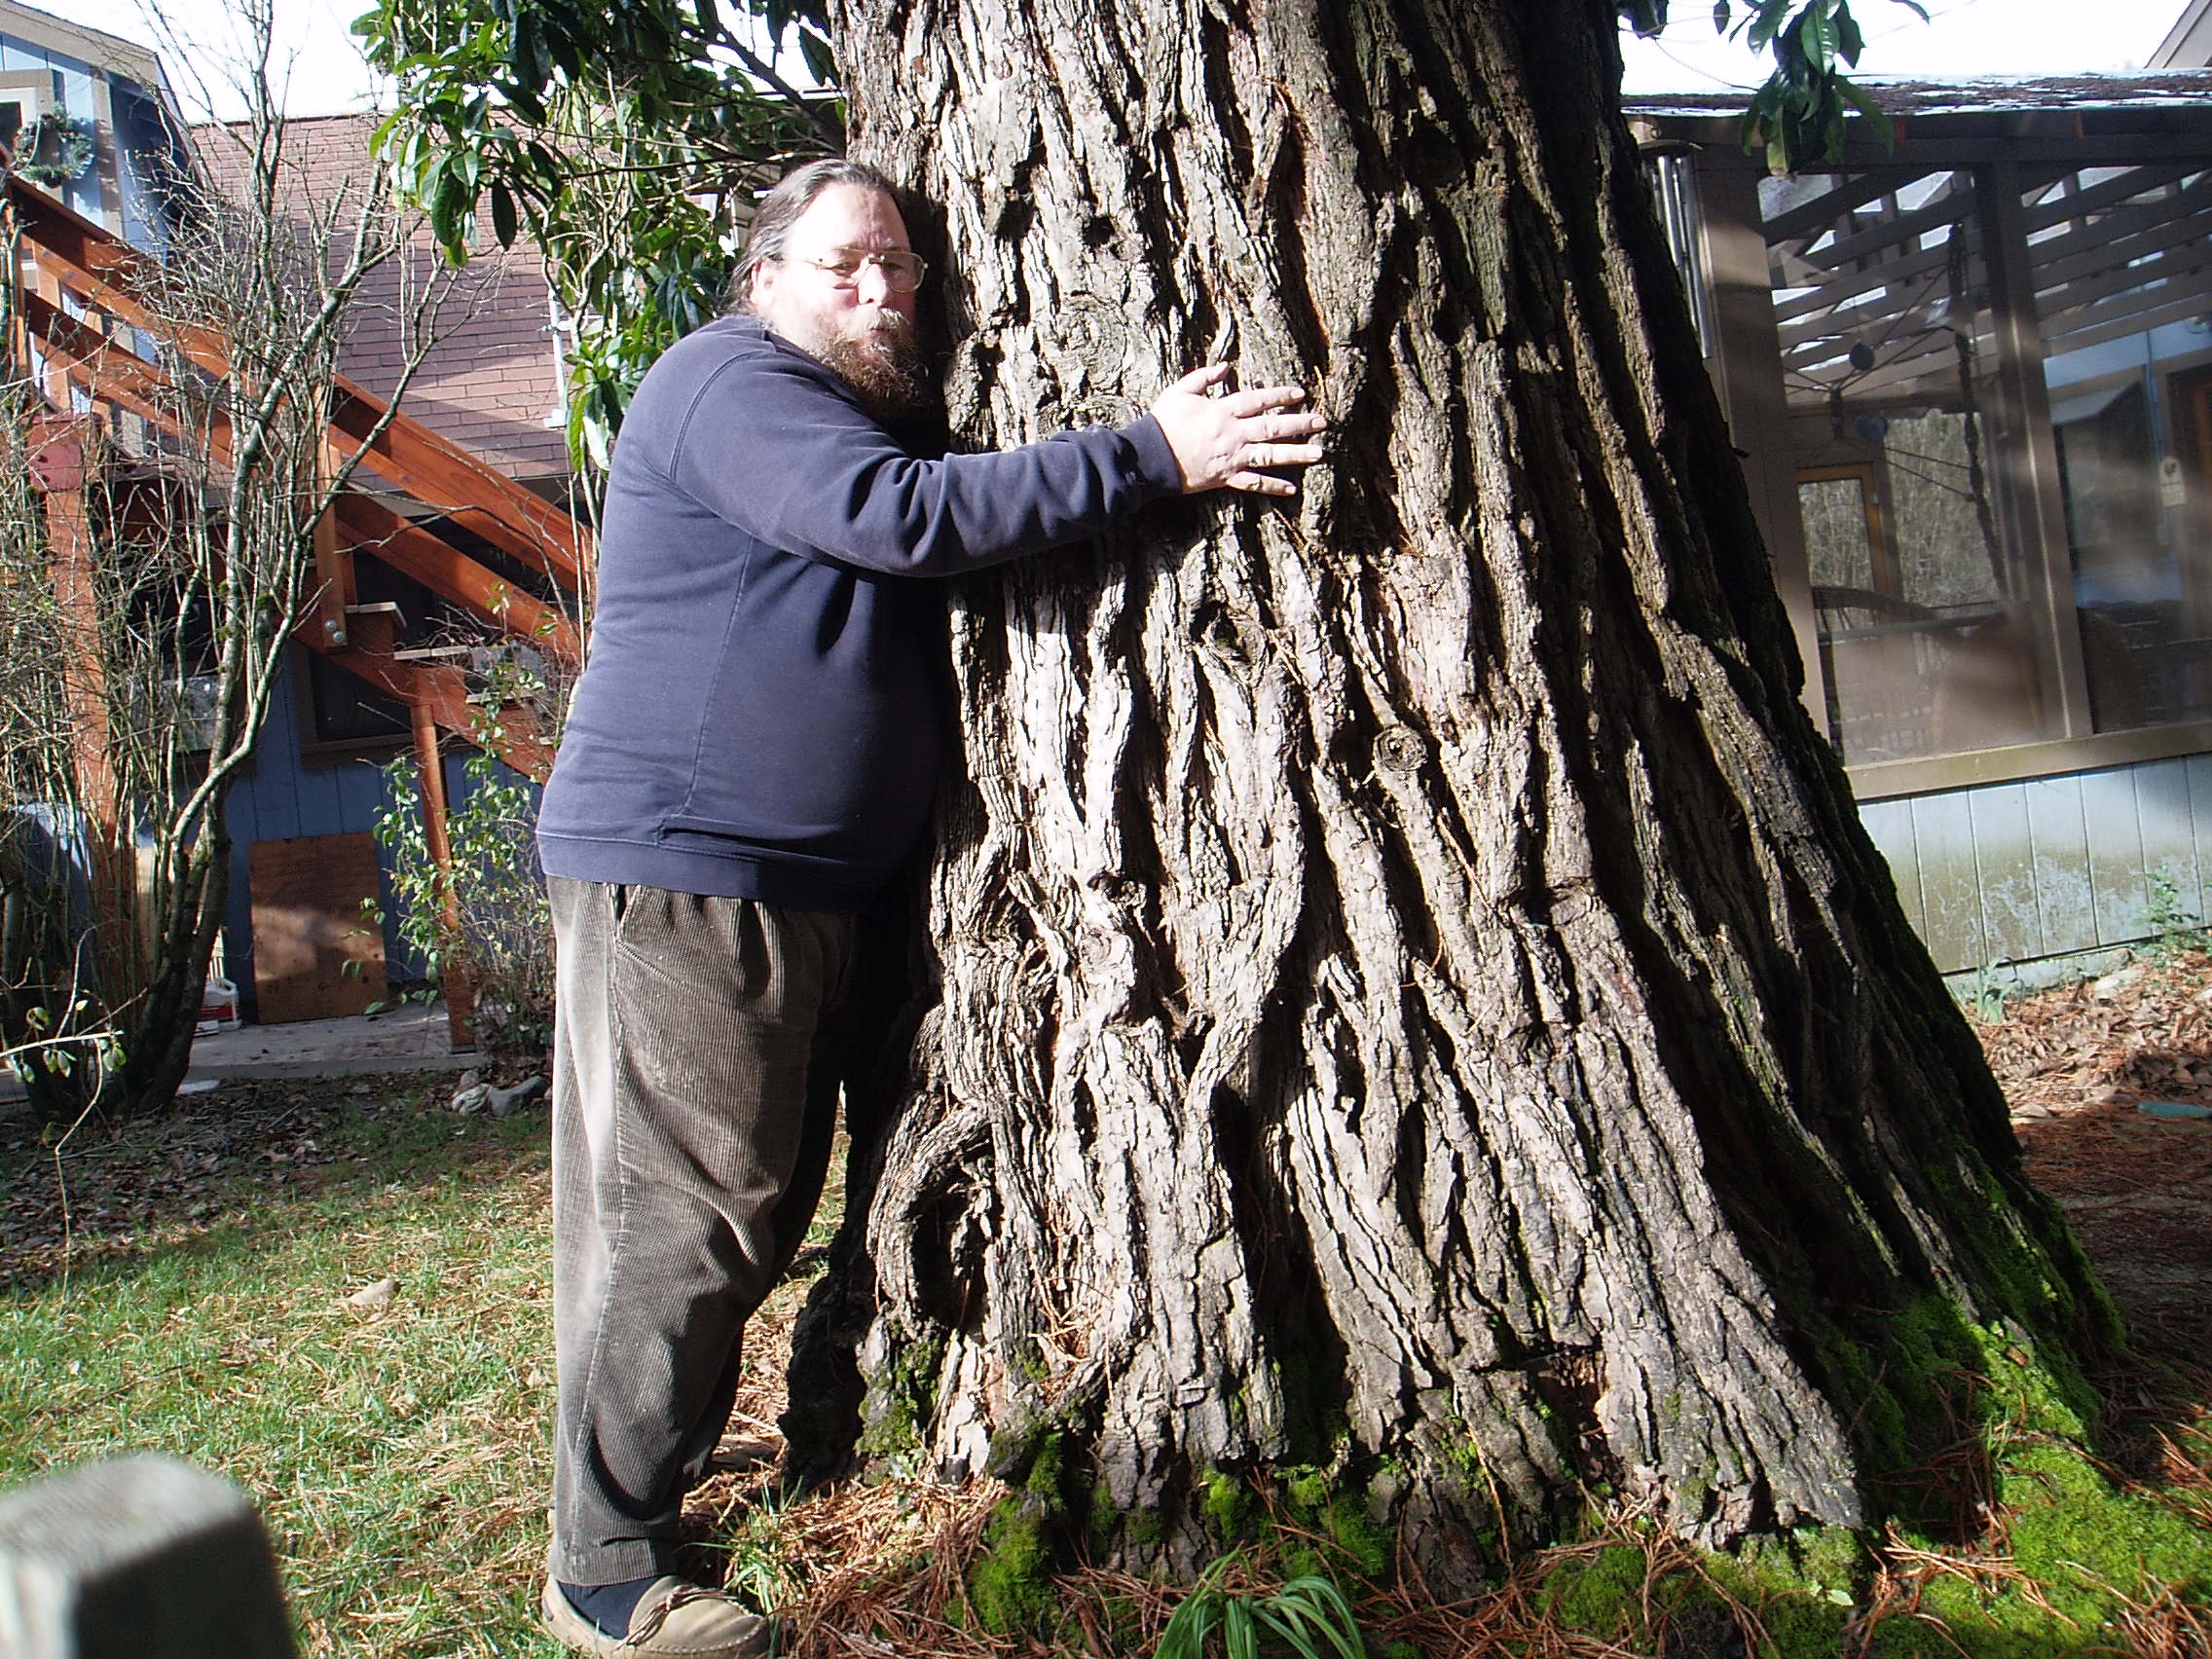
898, 326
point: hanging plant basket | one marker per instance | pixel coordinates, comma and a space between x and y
55, 150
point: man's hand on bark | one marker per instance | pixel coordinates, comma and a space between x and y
1241, 440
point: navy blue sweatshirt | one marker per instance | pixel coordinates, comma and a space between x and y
762, 716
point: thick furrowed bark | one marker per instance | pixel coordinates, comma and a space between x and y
1414, 994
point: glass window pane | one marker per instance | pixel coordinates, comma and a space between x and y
1881, 303
2124, 285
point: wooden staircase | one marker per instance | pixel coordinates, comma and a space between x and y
74, 294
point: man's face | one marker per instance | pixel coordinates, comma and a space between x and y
856, 324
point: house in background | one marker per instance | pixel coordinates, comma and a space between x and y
1972, 379
111, 91
451, 540
490, 385
1971, 376
2189, 43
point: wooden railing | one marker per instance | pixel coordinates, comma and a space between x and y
77, 285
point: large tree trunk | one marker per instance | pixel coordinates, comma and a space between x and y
1415, 995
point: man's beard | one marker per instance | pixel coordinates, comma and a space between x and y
882, 362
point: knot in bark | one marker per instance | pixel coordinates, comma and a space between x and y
1399, 749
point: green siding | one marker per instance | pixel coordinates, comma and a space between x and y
2005, 867
2022, 871
2115, 854
1950, 884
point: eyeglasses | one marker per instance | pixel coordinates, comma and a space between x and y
903, 271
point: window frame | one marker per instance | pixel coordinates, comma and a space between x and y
1743, 354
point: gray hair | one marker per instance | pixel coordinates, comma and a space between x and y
780, 208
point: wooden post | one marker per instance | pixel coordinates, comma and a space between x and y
65, 458
333, 563
35, 278
459, 984
141, 1557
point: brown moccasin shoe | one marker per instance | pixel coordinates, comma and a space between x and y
675, 1621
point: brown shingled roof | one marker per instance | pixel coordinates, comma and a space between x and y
492, 380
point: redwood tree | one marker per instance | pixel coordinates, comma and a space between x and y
1410, 991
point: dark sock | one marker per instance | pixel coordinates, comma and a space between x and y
610, 1605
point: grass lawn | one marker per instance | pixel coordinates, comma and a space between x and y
204, 1308
337, 1293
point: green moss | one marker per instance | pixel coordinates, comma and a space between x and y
2026, 1394
1907, 1385
902, 1400
1354, 1531
1146, 1528
1799, 1627
2081, 1545
1306, 1491
2008, 1230
1008, 1583
1048, 1468
1832, 1559
1105, 1519
1338, 1511
1601, 1595
2074, 1533
1962, 1625
1227, 1506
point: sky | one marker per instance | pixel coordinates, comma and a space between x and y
1963, 38
325, 75
316, 60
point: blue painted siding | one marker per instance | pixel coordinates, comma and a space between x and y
2058, 865
2017, 873
72, 88
282, 794
2004, 849
144, 145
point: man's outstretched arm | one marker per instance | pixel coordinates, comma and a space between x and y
1224, 442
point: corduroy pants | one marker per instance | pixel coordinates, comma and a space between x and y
697, 1048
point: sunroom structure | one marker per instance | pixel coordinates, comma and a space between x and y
1971, 381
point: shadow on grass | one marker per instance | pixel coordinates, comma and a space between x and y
250, 1162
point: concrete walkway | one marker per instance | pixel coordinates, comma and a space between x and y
411, 1037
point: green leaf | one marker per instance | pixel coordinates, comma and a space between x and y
1193, 1620
504, 224
1884, 128
527, 54
1849, 42
1239, 1640
1330, 1611
1816, 33
821, 61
